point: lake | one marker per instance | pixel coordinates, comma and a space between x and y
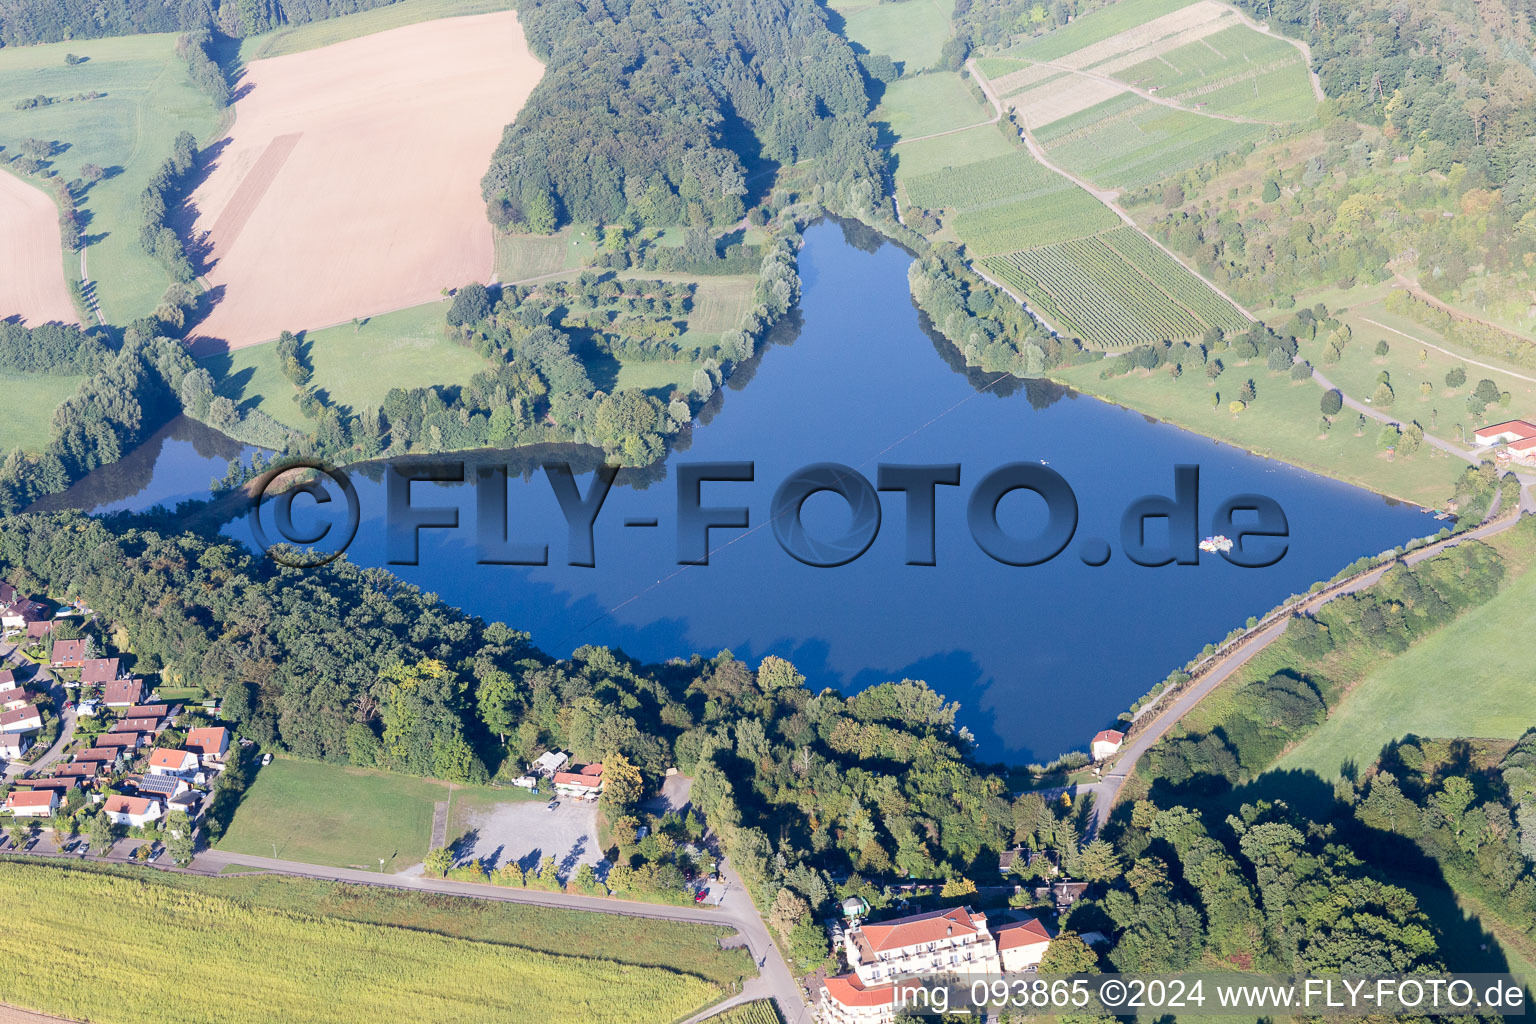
1039, 658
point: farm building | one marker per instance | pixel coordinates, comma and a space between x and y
1503, 433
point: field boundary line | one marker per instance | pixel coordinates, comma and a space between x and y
1453, 355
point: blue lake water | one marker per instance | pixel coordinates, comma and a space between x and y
1039, 658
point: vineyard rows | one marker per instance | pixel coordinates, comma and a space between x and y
1068, 212
760, 1012
1115, 295
1012, 176
1148, 146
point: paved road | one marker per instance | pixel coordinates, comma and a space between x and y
1108, 791
30, 676
1376, 414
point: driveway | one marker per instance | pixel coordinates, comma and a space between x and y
527, 831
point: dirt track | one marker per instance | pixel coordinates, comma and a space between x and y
350, 182
32, 284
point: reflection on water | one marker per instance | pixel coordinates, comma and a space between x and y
1039, 658
175, 464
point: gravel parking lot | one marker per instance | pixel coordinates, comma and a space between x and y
527, 831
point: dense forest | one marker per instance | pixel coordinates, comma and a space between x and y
33, 21
652, 111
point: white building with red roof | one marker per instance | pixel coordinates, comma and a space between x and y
949, 941
164, 761
1106, 744
210, 743
1021, 944
132, 810
847, 1000
123, 693
25, 719
586, 781
38, 803
1503, 433
10, 700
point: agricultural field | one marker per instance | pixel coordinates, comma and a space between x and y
1125, 141
257, 964
1482, 655
719, 303
1063, 214
33, 287
27, 424
1015, 175
928, 104
910, 33
146, 100
1113, 29
1234, 71
761, 1012
336, 816
929, 155
354, 367
315, 34
350, 183
1116, 290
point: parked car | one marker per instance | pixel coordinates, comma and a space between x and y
266, 759
700, 896
553, 804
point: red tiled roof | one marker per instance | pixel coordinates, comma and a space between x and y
7, 679
62, 782
28, 609
99, 670
848, 990
1108, 736
119, 739
135, 725
208, 741
120, 804
173, 759
929, 927
123, 691
146, 711
99, 754
1021, 933
14, 694
589, 777
37, 629
87, 769
27, 714
42, 798
1523, 445
68, 650
1522, 427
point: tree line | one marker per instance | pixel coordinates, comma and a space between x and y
22, 24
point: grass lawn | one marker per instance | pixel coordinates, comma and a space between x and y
128, 131
657, 377
240, 869
355, 368
1472, 678
520, 257
927, 104
1283, 423
337, 816
297, 38
294, 962
32, 398
910, 33
929, 155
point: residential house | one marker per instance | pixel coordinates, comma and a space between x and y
165, 787
79, 769
10, 700
549, 762
136, 725
155, 711
20, 612
1106, 744
14, 744
172, 762
39, 630
7, 680
1021, 945
59, 784
1063, 894
210, 743
99, 671
107, 757
133, 810
27, 719
68, 654
123, 693
37, 804
7, 593
584, 783
88, 708
124, 741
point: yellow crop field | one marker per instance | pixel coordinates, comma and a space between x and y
100, 934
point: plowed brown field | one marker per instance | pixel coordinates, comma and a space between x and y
32, 284
349, 184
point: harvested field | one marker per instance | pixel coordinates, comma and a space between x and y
1061, 98
32, 285
350, 183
